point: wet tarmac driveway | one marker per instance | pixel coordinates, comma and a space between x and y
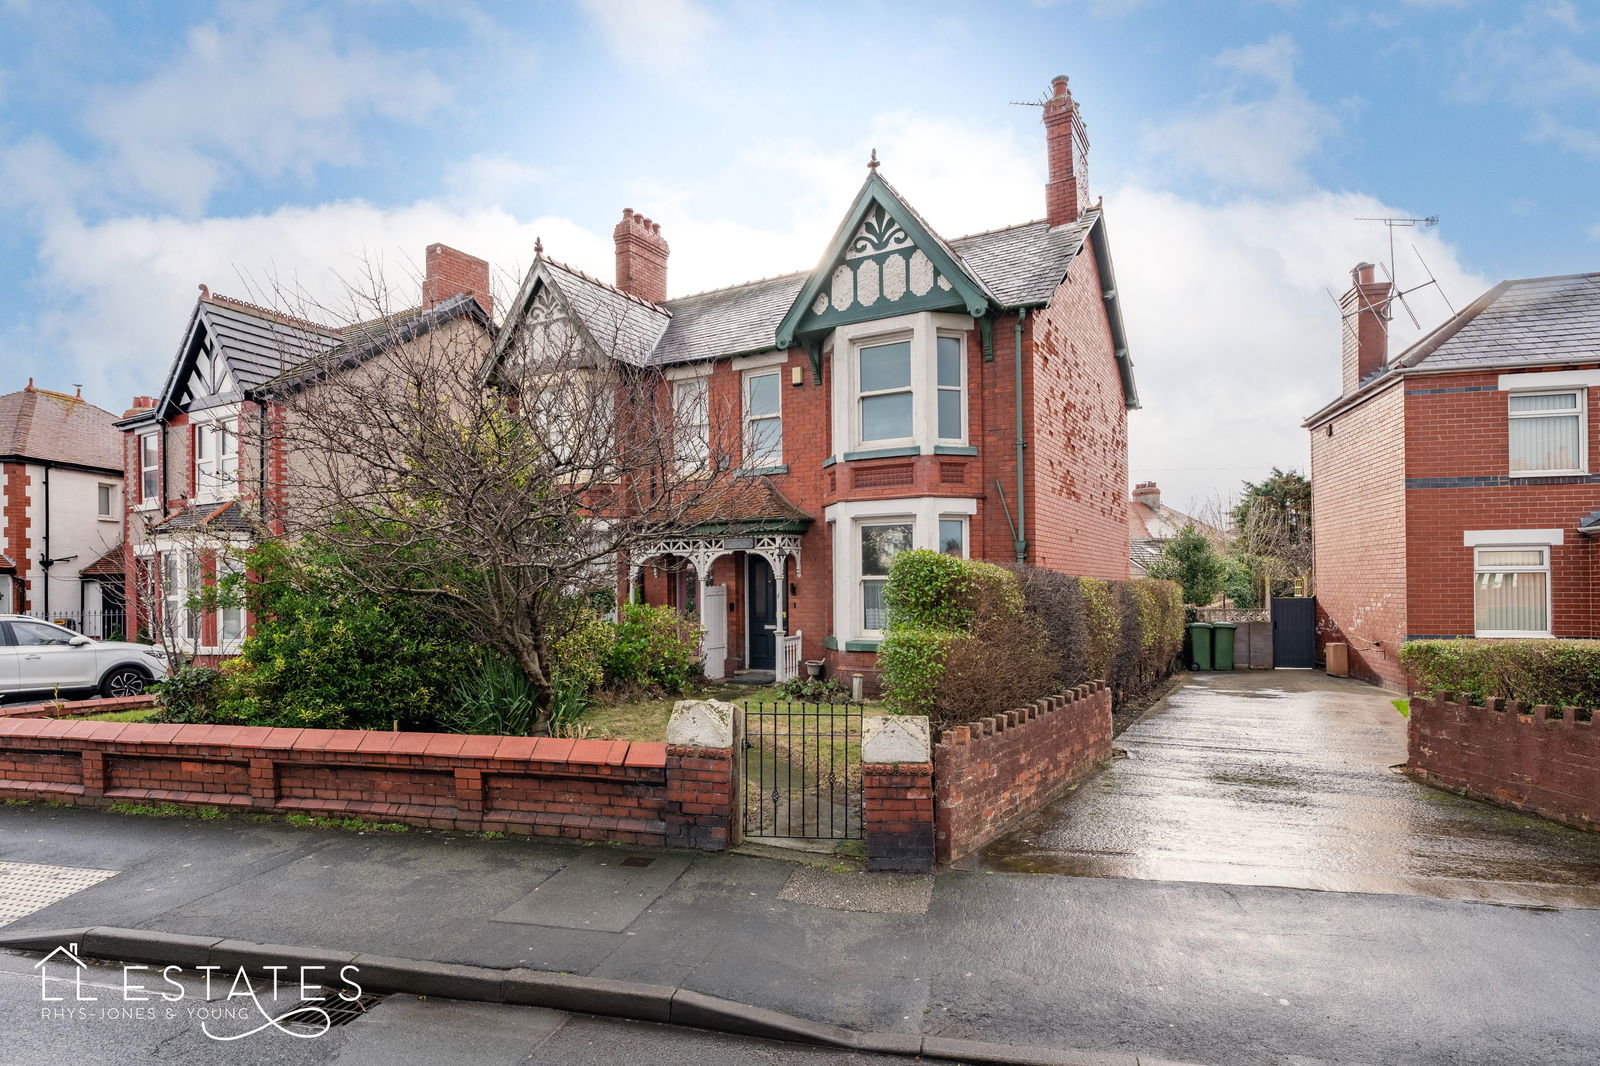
1283, 778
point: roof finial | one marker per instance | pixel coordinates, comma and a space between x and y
538, 246
872, 164
30, 383
205, 293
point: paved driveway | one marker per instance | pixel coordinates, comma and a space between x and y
1283, 778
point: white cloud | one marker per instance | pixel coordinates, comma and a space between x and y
261, 94
1256, 131
1531, 64
655, 34
1233, 336
491, 179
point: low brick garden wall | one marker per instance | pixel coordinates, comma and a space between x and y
75, 708
988, 774
578, 789
1511, 754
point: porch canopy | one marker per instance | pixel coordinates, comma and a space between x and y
748, 515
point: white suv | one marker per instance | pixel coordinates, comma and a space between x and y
38, 656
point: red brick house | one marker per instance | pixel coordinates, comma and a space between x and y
1454, 491
196, 480
969, 395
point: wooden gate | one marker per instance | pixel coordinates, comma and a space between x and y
714, 625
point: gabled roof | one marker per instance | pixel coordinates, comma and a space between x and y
746, 505
53, 427
1521, 323
256, 343
6, 563
616, 323
879, 221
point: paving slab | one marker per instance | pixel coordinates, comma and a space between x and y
604, 890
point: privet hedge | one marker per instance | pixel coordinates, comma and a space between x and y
967, 639
1561, 673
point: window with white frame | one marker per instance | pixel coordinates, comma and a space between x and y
1546, 431
883, 381
149, 467
216, 458
881, 541
691, 421
230, 615
1511, 591
952, 388
953, 535
105, 501
763, 418
180, 580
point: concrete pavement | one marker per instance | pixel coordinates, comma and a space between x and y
1207, 973
1283, 778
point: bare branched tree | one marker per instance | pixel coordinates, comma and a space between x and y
497, 491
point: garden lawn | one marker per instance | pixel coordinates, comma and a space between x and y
138, 714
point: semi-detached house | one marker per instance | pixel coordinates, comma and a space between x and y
967, 395
1454, 488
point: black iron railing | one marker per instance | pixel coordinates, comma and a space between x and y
802, 770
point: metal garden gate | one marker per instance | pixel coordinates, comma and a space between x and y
1294, 632
802, 770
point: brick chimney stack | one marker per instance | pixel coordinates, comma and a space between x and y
1365, 326
140, 403
1066, 194
1145, 492
641, 257
451, 273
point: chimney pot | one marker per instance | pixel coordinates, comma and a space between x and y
1059, 84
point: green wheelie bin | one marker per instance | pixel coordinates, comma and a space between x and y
1200, 645
1222, 645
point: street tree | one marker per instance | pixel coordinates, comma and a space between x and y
1192, 561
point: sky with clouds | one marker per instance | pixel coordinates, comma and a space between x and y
252, 146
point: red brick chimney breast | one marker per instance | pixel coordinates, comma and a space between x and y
1066, 193
1364, 328
450, 273
641, 257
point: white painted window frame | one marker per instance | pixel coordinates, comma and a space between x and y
1581, 395
752, 462
153, 467
922, 328
702, 383
109, 488
1549, 587
847, 519
219, 427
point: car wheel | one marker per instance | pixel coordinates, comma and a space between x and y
124, 681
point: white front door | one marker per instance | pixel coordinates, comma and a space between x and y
714, 621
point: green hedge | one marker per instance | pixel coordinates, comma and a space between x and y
967, 639
1561, 673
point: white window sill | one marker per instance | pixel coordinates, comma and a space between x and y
1548, 473
106, 518
1509, 635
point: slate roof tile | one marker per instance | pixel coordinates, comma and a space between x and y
45, 425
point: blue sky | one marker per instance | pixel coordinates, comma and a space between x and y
146, 147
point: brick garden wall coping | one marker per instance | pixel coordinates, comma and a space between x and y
73, 708
997, 769
582, 789
1510, 754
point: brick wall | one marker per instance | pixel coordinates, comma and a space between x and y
1358, 530
898, 816
1510, 754
75, 708
15, 535
583, 789
1457, 461
994, 771
1077, 458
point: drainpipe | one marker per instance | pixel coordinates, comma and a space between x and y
1021, 532
47, 559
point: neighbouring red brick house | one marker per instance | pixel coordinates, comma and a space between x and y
1454, 491
969, 395
196, 482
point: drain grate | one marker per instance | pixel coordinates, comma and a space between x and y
637, 861
26, 887
341, 1011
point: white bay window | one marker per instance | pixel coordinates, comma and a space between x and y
867, 535
901, 385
